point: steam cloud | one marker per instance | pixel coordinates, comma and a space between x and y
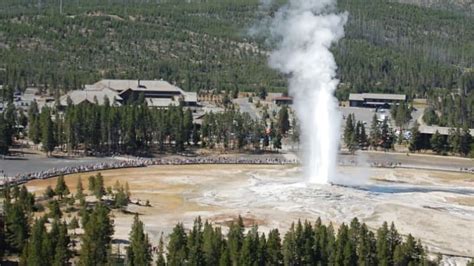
305, 31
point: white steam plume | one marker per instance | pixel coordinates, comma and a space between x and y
305, 31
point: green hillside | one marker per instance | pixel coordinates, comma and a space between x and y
389, 47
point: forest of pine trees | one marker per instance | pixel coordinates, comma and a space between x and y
389, 47
137, 129
381, 135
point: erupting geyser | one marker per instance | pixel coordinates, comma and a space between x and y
305, 31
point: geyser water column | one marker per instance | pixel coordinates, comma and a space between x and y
305, 31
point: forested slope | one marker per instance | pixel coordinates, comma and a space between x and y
459, 5
389, 47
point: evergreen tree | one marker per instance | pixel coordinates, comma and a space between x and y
97, 237
73, 224
37, 252
161, 253
277, 141
349, 130
274, 248
437, 143
212, 244
99, 190
61, 250
54, 209
92, 184
415, 141
177, 246
61, 188
139, 251
465, 142
387, 136
290, 248
374, 134
225, 258
283, 121
188, 125
49, 192
48, 138
362, 135
235, 240
250, 247
195, 244
454, 140
34, 131
383, 248
5, 136
16, 226
79, 189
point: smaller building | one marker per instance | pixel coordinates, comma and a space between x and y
25, 99
375, 100
99, 96
283, 100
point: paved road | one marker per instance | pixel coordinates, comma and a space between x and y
413, 160
246, 107
35, 163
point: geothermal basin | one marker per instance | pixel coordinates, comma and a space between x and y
437, 207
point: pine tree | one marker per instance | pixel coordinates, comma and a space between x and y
73, 224
386, 135
212, 244
34, 254
283, 121
250, 247
177, 246
139, 251
363, 138
290, 247
465, 142
195, 244
5, 136
225, 259
188, 125
49, 192
161, 253
454, 140
383, 248
277, 141
235, 240
16, 227
48, 138
99, 190
415, 141
92, 184
274, 248
79, 189
34, 131
62, 252
97, 237
350, 132
374, 137
54, 209
61, 188
437, 142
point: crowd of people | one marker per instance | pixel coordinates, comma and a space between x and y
136, 162
387, 164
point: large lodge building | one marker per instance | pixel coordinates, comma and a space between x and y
157, 93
